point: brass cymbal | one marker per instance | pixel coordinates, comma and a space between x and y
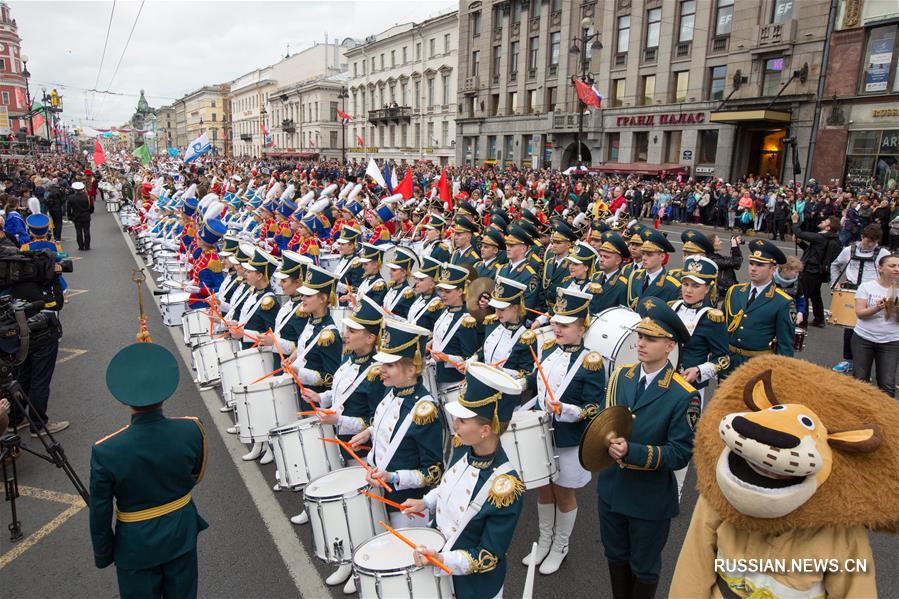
476, 289
614, 421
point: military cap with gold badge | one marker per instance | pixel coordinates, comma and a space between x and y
696, 242
655, 241
762, 250
659, 320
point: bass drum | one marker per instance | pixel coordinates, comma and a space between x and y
612, 334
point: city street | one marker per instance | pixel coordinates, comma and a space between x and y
250, 549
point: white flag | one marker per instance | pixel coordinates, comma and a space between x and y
373, 172
197, 148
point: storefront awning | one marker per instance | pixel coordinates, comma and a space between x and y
290, 154
641, 168
741, 116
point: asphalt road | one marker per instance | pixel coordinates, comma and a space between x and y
251, 549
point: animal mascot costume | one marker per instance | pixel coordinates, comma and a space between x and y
794, 462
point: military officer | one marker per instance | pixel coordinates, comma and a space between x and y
434, 245
569, 383
594, 236
372, 283
652, 280
464, 253
638, 495
608, 285
634, 237
758, 313
492, 245
507, 341
143, 476
555, 265
400, 295
536, 251
455, 331
580, 262
518, 269
480, 497
349, 270
696, 243
427, 306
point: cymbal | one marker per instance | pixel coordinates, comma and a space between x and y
476, 289
614, 421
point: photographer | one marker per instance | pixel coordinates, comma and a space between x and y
727, 265
819, 251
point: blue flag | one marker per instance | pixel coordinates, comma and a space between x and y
386, 175
197, 148
173, 152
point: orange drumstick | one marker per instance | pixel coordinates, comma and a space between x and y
552, 400
315, 412
500, 363
398, 506
265, 376
430, 558
444, 358
356, 457
537, 312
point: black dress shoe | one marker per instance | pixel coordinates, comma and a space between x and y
817, 323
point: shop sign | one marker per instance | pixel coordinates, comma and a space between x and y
687, 155
889, 143
704, 170
885, 112
664, 120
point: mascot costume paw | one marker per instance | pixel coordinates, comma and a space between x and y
794, 462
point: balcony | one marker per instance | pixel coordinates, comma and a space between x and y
775, 34
383, 116
471, 84
246, 137
561, 122
287, 126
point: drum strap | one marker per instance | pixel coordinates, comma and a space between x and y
438, 347
308, 347
349, 390
383, 461
569, 376
475, 506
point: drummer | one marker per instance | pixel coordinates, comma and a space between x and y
477, 541
372, 284
207, 269
638, 496
406, 434
434, 245
580, 263
455, 331
609, 287
291, 319
258, 311
400, 295
507, 341
555, 268
492, 245
357, 389
230, 279
577, 383
348, 270
652, 280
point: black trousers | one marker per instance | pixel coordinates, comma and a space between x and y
56, 215
83, 235
811, 288
35, 374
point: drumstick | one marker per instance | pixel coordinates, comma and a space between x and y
356, 457
398, 506
315, 412
436, 562
537, 312
552, 400
265, 376
287, 368
500, 363
444, 358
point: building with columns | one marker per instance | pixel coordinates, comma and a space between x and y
206, 109
403, 92
12, 80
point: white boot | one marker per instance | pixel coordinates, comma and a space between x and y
546, 513
254, 453
564, 526
276, 487
680, 476
232, 430
301, 518
269, 456
227, 408
340, 575
350, 587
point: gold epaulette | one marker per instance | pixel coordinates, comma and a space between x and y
673, 280
267, 303
435, 306
111, 435
378, 286
594, 288
683, 383
548, 344
408, 293
593, 361
715, 315
373, 373
490, 318
505, 489
783, 293
528, 337
424, 412
469, 321
326, 338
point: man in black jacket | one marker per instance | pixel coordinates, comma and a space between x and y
819, 250
79, 208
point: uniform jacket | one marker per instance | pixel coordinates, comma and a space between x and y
525, 274
764, 325
707, 347
608, 291
398, 299
456, 335
467, 257
664, 286
509, 344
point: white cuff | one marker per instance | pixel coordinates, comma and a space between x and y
706, 371
430, 500
570, 413
324, 399
309, 377
349, 425
458, 561
285, 346
408, 479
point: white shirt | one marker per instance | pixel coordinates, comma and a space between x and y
876, 328
653, 276
650, 376
869, 270
759, 289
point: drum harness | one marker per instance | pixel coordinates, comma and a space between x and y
861, 265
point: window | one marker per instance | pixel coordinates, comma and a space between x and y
717, 82
617, 93
430, 92
641, 146
783, 11
497, 17
614, 146
708, 146
532, 101
555, 5
879, 60
497, 56
508, 144
445, 87
514, 48
475, 63
725, 17
333, 138
355, 69
333, 111
494, 104
372, 64
672, 146
649, 90
444, 133
873, 157
772, 77
417, 141
382, 61
533, 48
213, 117
432, 47
491, 147
5, 96
476, 24
516, 11
213, 103
687, 20
392, 58
653, 27
446, 43
512, 106
417, 94
551, 95
555, 41
681, 83
624, 33
431, 139
418, 51
404, 94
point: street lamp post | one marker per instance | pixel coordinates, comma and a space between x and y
27, 75
262, 113
343, 95
579, 46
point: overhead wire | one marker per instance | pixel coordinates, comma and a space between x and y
125, 49
103, 55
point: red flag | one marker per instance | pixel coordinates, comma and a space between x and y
405, 186
20, 98
344, 117
586, 94
359, 141
443, 187
37, 123
99, 154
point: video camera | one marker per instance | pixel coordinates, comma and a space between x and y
20, 322
31, 266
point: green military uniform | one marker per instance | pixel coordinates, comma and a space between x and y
661, 284
467, 256
142, 476
319, 347
508, 345
522, 272
349, 269
694, 243
638, 496
489, 268
455, 331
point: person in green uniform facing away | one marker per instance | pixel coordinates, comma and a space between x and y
142, 476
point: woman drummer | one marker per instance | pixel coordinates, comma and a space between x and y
507, 341
357, 388
477, 540
406, 434
257, 313
576, 385
455, 331
581, 261
400, 295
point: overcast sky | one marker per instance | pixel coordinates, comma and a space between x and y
179, 46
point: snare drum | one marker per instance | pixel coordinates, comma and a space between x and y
383, 567
173, 306
329, 261
300, 455
244, 367
528, 442
340, 516
208, 355
842, 308
612, 334
266, 405
195, 327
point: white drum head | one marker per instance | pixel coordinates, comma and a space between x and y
525, 419
495, 378
175, 298
386, 552
337, 483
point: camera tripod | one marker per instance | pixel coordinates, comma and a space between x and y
11, 446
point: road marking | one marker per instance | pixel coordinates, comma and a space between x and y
75, 503
293, 553
73, 353
70, 293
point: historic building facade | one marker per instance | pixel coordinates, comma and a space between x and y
12, 81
